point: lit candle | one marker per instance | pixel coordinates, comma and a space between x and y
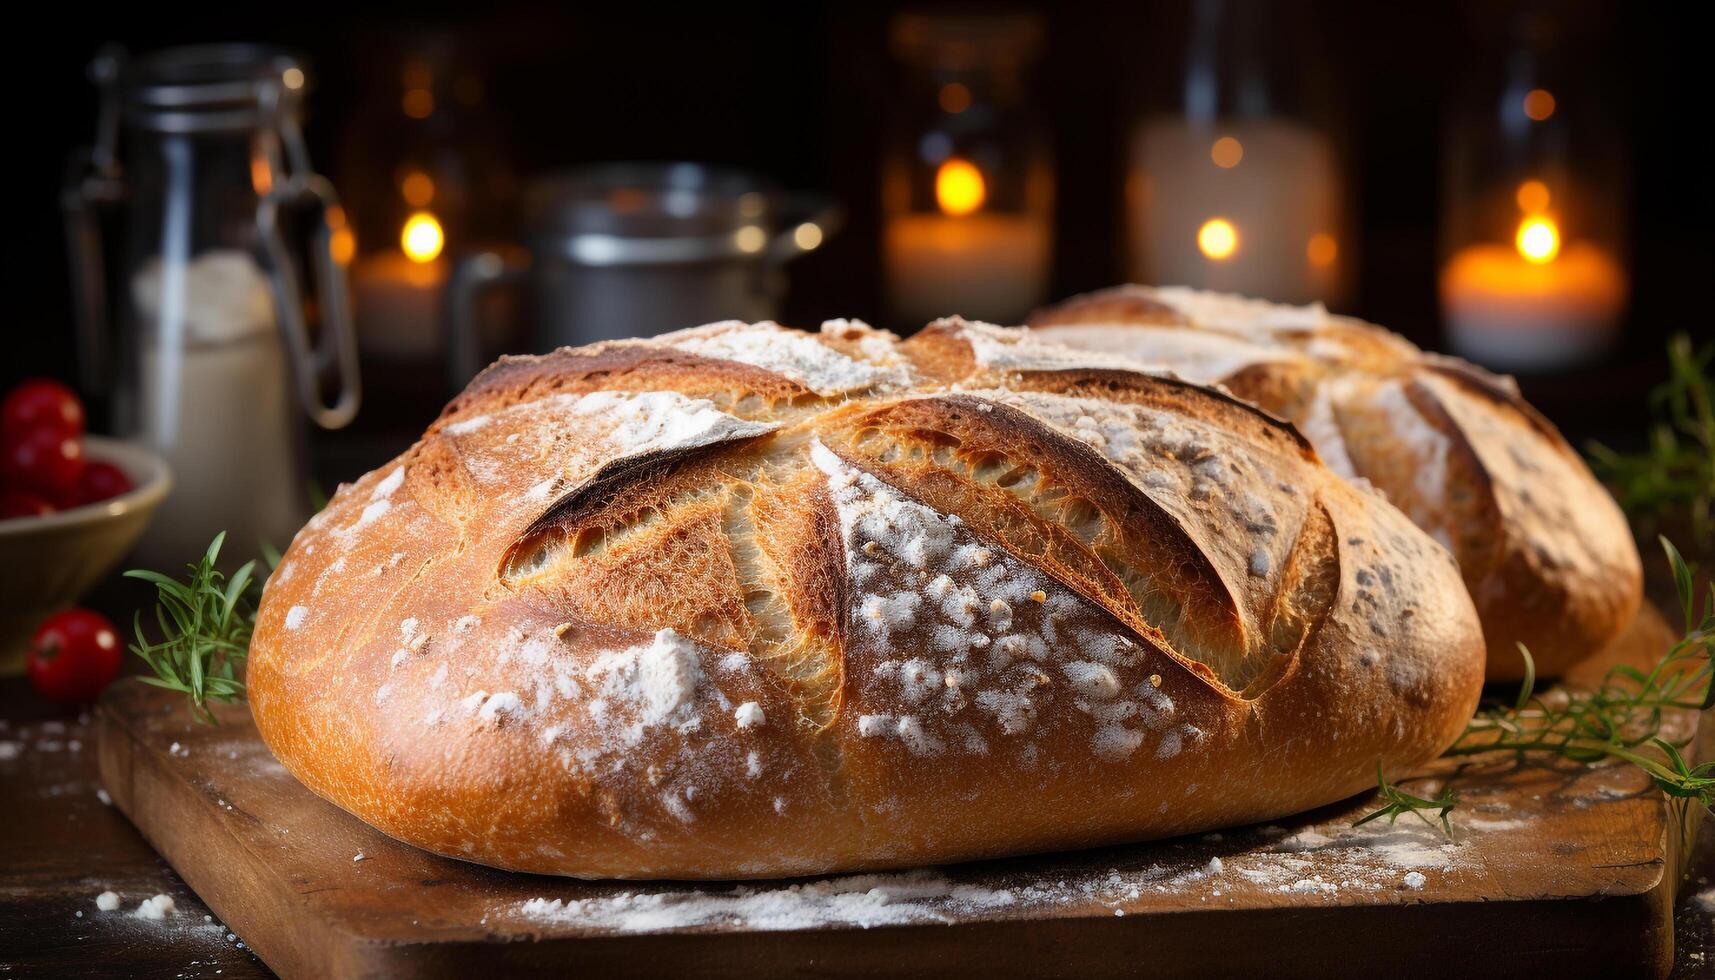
399, 294
963, 259
1247, 206
1536, 303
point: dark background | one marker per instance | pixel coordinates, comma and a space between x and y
796, 90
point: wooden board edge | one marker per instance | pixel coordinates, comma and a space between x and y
1629, 933
133, 774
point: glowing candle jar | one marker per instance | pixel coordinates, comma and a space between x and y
967, 189
1233, 175
1533, 302
962, 259
1532, 277
399, 293
1240, 205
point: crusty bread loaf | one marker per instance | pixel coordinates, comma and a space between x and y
1543, 548
749, 602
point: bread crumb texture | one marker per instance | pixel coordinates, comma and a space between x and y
745, 601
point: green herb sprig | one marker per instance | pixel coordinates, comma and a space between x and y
1621, 718
1397, 803
1674, 478
206, 622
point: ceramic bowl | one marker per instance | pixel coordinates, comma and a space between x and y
48, 563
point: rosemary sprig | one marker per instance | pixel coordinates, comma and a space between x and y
206, 622
1398, 802
1621, 718
1675, 476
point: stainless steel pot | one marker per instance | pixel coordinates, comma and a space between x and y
637, 249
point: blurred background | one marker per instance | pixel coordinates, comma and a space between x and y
1523, 184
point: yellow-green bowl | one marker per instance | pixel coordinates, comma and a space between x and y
47, 563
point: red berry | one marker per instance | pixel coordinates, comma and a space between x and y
44, 461
17, 503
73, 655
99, 481
40, 403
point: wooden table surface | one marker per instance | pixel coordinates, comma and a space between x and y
61, 845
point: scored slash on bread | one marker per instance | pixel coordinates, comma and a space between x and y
1543, 548
744, 601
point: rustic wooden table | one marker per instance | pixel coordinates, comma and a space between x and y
62, 845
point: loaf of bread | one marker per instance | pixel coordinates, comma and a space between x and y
745, 601
1543, 548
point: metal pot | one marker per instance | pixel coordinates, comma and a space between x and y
636, 249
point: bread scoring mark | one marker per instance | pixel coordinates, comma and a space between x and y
955, 645
1061, 505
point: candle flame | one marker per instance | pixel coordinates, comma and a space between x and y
1538, 240
422, 238
959, 187
1218, 239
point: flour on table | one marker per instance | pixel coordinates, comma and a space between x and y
156, 908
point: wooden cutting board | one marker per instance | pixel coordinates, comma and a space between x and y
1556, 870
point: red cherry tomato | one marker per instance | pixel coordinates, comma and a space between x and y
73, 655
99, 481
17, 503
44, 461
40, 403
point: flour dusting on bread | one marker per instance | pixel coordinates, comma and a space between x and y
747, 602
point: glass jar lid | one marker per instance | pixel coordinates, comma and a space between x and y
208, 88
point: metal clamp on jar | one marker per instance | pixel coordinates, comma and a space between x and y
210, 331
636, 249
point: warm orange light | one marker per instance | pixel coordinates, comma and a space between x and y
959, 187
342, 245
419, 103
1533, 197
954, 98
422, 238
1538, 240
261, 174
418, 189
1227, 152
1539, 104
342, 242
1218, 239
1322, 250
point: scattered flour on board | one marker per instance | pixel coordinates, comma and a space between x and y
1315, 865
859, 900
107, 901
156, 908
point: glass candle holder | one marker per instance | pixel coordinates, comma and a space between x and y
967, 182
427, 164
1234, 184
1532, 277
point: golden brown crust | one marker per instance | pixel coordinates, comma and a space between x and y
642, 611
1543, 549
